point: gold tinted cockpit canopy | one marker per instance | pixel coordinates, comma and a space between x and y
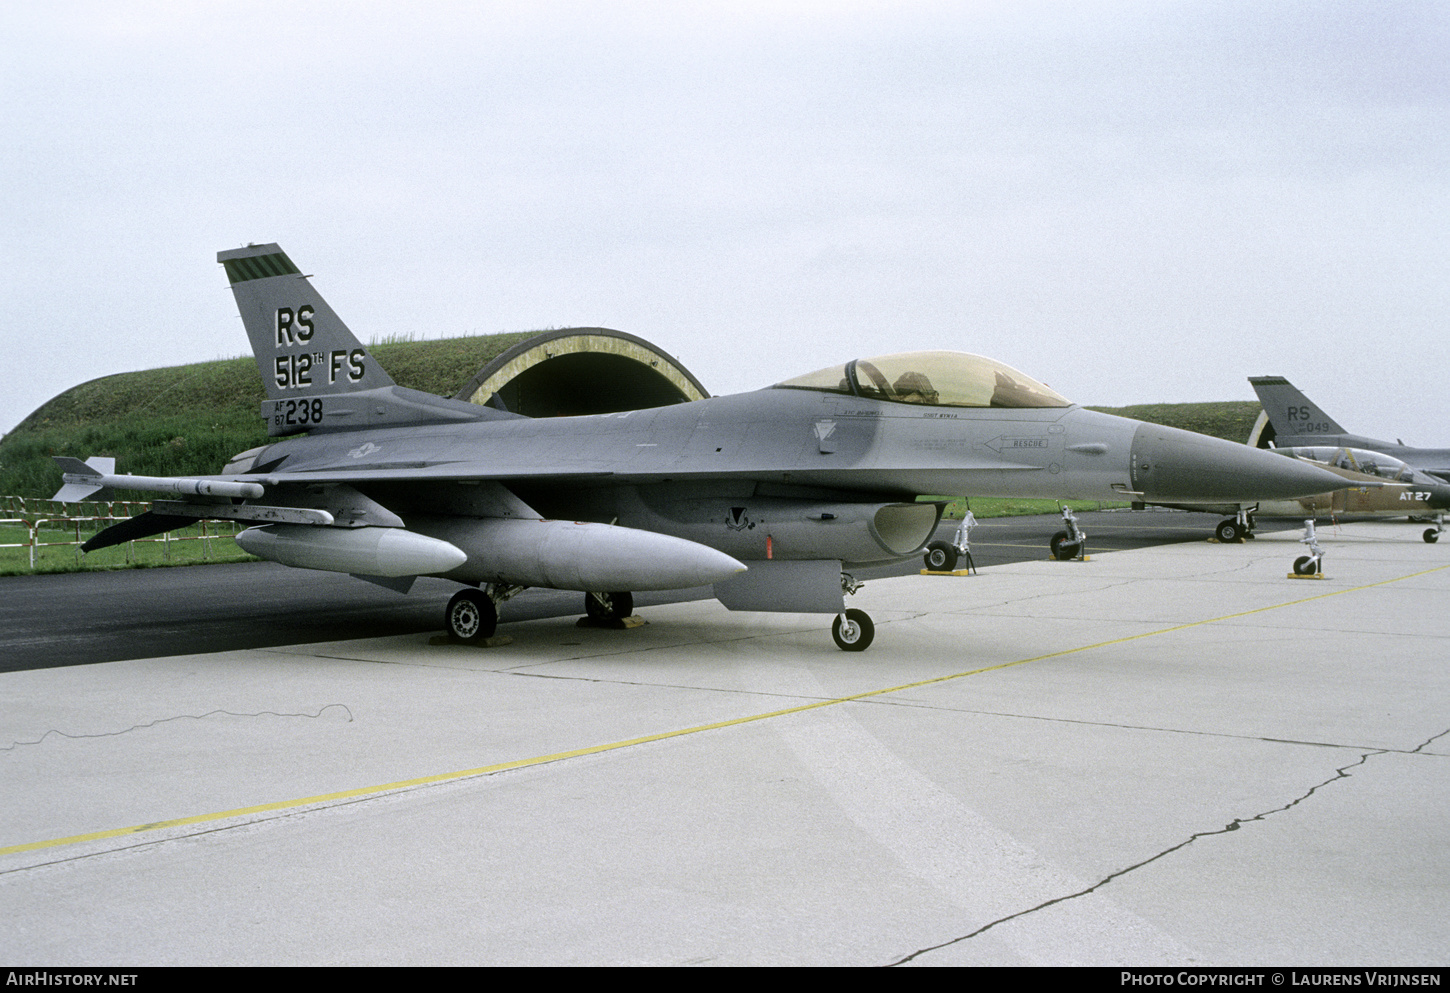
938, 379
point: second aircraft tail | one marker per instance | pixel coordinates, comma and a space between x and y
1289, 411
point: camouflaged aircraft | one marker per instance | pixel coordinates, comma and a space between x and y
770, 497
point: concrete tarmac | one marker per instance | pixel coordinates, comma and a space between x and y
1174, 755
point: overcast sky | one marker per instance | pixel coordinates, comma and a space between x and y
1134, 202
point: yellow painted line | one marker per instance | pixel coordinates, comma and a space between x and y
486, 770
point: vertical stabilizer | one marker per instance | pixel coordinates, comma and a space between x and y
303, 348
1290, 412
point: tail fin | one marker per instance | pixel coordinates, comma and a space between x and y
318, 376
83, 489
1290, 412
302, 347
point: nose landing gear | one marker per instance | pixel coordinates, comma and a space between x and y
1071, 542
941, 556
1309, 566
853, 630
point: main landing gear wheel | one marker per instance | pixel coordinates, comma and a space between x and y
1305, 565
940, 557
1228, 530
1431, 536
1064, 550
853, 630
471, 616
608, 606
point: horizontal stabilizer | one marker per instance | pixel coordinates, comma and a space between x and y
140, 526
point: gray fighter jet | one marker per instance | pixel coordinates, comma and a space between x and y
1295, 420
1373, 486
771, 497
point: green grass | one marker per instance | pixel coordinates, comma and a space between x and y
57, 550
189, 420
1232, 420
984, 507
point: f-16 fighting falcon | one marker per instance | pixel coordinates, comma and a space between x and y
771, 497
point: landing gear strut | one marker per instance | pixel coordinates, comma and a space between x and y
1309, 565
1233, 528
608, 606
1069, 543
1432, 535
942, 557
852, 629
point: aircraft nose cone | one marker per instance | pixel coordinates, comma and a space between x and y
1169, 465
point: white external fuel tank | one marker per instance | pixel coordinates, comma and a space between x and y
569, 555
562, 555
370, 551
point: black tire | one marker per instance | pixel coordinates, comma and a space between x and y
1431, 536
1305, 565
1064, 550
940, 557
608, 606
856, 634
1228, 531
471, 617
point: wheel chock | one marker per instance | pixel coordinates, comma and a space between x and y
1314, 575
954, 572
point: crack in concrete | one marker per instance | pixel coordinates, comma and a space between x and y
1341, 773
179, 717
1428, 742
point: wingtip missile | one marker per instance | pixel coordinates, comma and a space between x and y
94, 478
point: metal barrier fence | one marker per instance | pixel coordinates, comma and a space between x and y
44, 520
